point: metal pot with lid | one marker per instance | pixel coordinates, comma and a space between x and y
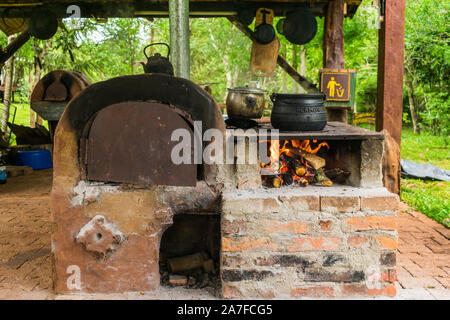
245, 103
299, 112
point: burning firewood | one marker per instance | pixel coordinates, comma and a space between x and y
276, 182
327, 182
303, 182
288, 180
315, 161
323, 179
300, 170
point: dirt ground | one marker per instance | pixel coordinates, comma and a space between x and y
25, 237
25, 244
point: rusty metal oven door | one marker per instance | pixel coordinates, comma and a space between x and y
131, 143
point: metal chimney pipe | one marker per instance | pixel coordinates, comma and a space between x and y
179, 37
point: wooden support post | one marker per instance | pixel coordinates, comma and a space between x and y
391, 49
333, 49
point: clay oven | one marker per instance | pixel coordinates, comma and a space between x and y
115, 188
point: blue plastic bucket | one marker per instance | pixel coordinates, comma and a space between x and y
3, 175
37, 159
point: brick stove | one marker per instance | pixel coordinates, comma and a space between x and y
116, 197
319, 242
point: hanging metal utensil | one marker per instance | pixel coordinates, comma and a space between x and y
264, 31
299, 27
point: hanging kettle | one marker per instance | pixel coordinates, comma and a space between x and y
158, 63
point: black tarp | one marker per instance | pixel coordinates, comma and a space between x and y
426, 171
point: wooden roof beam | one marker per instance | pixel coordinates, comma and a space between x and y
129, 9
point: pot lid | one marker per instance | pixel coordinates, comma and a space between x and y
247, 90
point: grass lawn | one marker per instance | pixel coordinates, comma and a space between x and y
429, 197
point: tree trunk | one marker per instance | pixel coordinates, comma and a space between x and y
38, 56
235, 76
295, 56
285, 78
333, 49
9, 74
302, 70
412, 103
333, 38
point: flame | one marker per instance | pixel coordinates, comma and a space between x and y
294, 150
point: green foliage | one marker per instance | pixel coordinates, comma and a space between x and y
427, 61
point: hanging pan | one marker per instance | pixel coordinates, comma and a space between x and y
299, 27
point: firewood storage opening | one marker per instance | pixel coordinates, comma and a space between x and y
189, 253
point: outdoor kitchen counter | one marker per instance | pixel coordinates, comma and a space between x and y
333, 131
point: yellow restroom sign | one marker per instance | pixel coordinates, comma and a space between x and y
336, 85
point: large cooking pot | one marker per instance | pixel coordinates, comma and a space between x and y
245, 103
299, 112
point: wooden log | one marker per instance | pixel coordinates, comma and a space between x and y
300, 170
177, 280
337, 175
315, 161
186, 263
288, 179
276, 182
323, 179
208, 266
17, 171
303, 182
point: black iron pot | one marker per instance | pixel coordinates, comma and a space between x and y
299, 112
